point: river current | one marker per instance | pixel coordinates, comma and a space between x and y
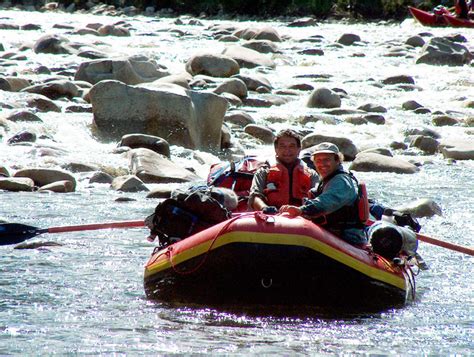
87, 297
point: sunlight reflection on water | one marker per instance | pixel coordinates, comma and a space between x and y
87, 297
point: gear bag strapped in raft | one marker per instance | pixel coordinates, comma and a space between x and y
237, 176
185, 214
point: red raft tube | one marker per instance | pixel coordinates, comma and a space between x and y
255, 258
454, 21
441, 17
429, 18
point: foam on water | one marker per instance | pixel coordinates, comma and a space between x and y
87, 297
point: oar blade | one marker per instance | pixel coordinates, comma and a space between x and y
13, 233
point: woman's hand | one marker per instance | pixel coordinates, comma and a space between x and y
291, 210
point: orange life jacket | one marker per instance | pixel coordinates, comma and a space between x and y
278, 190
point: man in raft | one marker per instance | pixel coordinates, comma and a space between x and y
285, 181
336, 199
462, 9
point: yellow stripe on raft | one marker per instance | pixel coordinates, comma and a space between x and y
281, 239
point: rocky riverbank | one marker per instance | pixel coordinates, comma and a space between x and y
179, 94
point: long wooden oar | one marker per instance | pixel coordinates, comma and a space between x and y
13, 233
441, 243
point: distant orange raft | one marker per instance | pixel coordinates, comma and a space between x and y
263, 259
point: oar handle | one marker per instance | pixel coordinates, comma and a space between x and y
444, 244
94, 226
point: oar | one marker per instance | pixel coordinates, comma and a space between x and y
12, 233
441, 243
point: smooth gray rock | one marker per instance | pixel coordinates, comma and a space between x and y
132, 70
128, 183
154, 143
62, 186
423, 207
151, 167
214, 65
348, 39
184, 117
54, 89
248, 58
260, 132
324, 98
373, 162
442, 51
345, 145
426, 144
43, 176
16, 184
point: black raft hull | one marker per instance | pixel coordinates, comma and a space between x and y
248, 260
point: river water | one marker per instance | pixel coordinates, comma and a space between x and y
87, 297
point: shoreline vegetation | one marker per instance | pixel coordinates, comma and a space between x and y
237, 9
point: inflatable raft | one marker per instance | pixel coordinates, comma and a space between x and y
258, 258
442, 18
457, 22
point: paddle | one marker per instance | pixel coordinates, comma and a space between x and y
441, 243
12, 233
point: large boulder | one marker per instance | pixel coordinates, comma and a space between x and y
255, 82
443, 51
248, 58
133, 70
128, 183
261, 132
42, 177
182, 79
262, 46
324, 98
16, 184
54, 89
373, 162
42, 103
348, 39
214, 65
239, 118
182, 117
266, 33
154, 143
53, 44
346, 146
13, 84
234, 86
113, 30
151, 167
23, 115
458, 149
62, 186
405, 79
4, 171
423, 207
426, 144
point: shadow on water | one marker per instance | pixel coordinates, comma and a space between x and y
280, 311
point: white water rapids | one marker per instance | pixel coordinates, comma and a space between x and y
86, 297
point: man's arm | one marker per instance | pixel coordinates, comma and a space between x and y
257, 199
